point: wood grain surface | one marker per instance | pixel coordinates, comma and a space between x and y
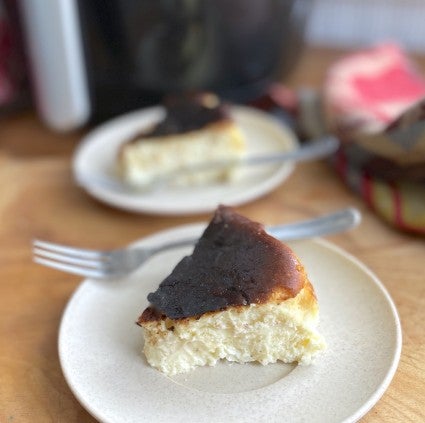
39, 199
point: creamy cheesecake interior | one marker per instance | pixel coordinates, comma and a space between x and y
264, 333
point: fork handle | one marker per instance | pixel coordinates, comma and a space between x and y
315, 149
325, 225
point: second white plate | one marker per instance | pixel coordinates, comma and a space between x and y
100, 349
95, 159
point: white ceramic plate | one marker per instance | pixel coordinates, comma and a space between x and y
100, 351
95, 158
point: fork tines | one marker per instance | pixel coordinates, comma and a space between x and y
83, 262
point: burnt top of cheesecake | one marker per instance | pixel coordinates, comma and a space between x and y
187, 113
234, 263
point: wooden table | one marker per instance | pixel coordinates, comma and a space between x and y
39, 199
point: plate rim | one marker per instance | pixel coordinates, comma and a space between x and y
354, 417
281, 173
383, 386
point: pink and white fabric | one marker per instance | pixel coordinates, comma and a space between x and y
365, 91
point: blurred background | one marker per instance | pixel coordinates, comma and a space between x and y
360, 23
79, 62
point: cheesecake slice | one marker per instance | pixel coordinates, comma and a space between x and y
241, 296
196, 130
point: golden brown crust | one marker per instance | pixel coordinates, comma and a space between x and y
220, 125
152, 315
306, 299
234, 263
185, 114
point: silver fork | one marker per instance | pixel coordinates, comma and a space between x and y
120, 262
316, 149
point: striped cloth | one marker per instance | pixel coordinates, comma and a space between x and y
374, 101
